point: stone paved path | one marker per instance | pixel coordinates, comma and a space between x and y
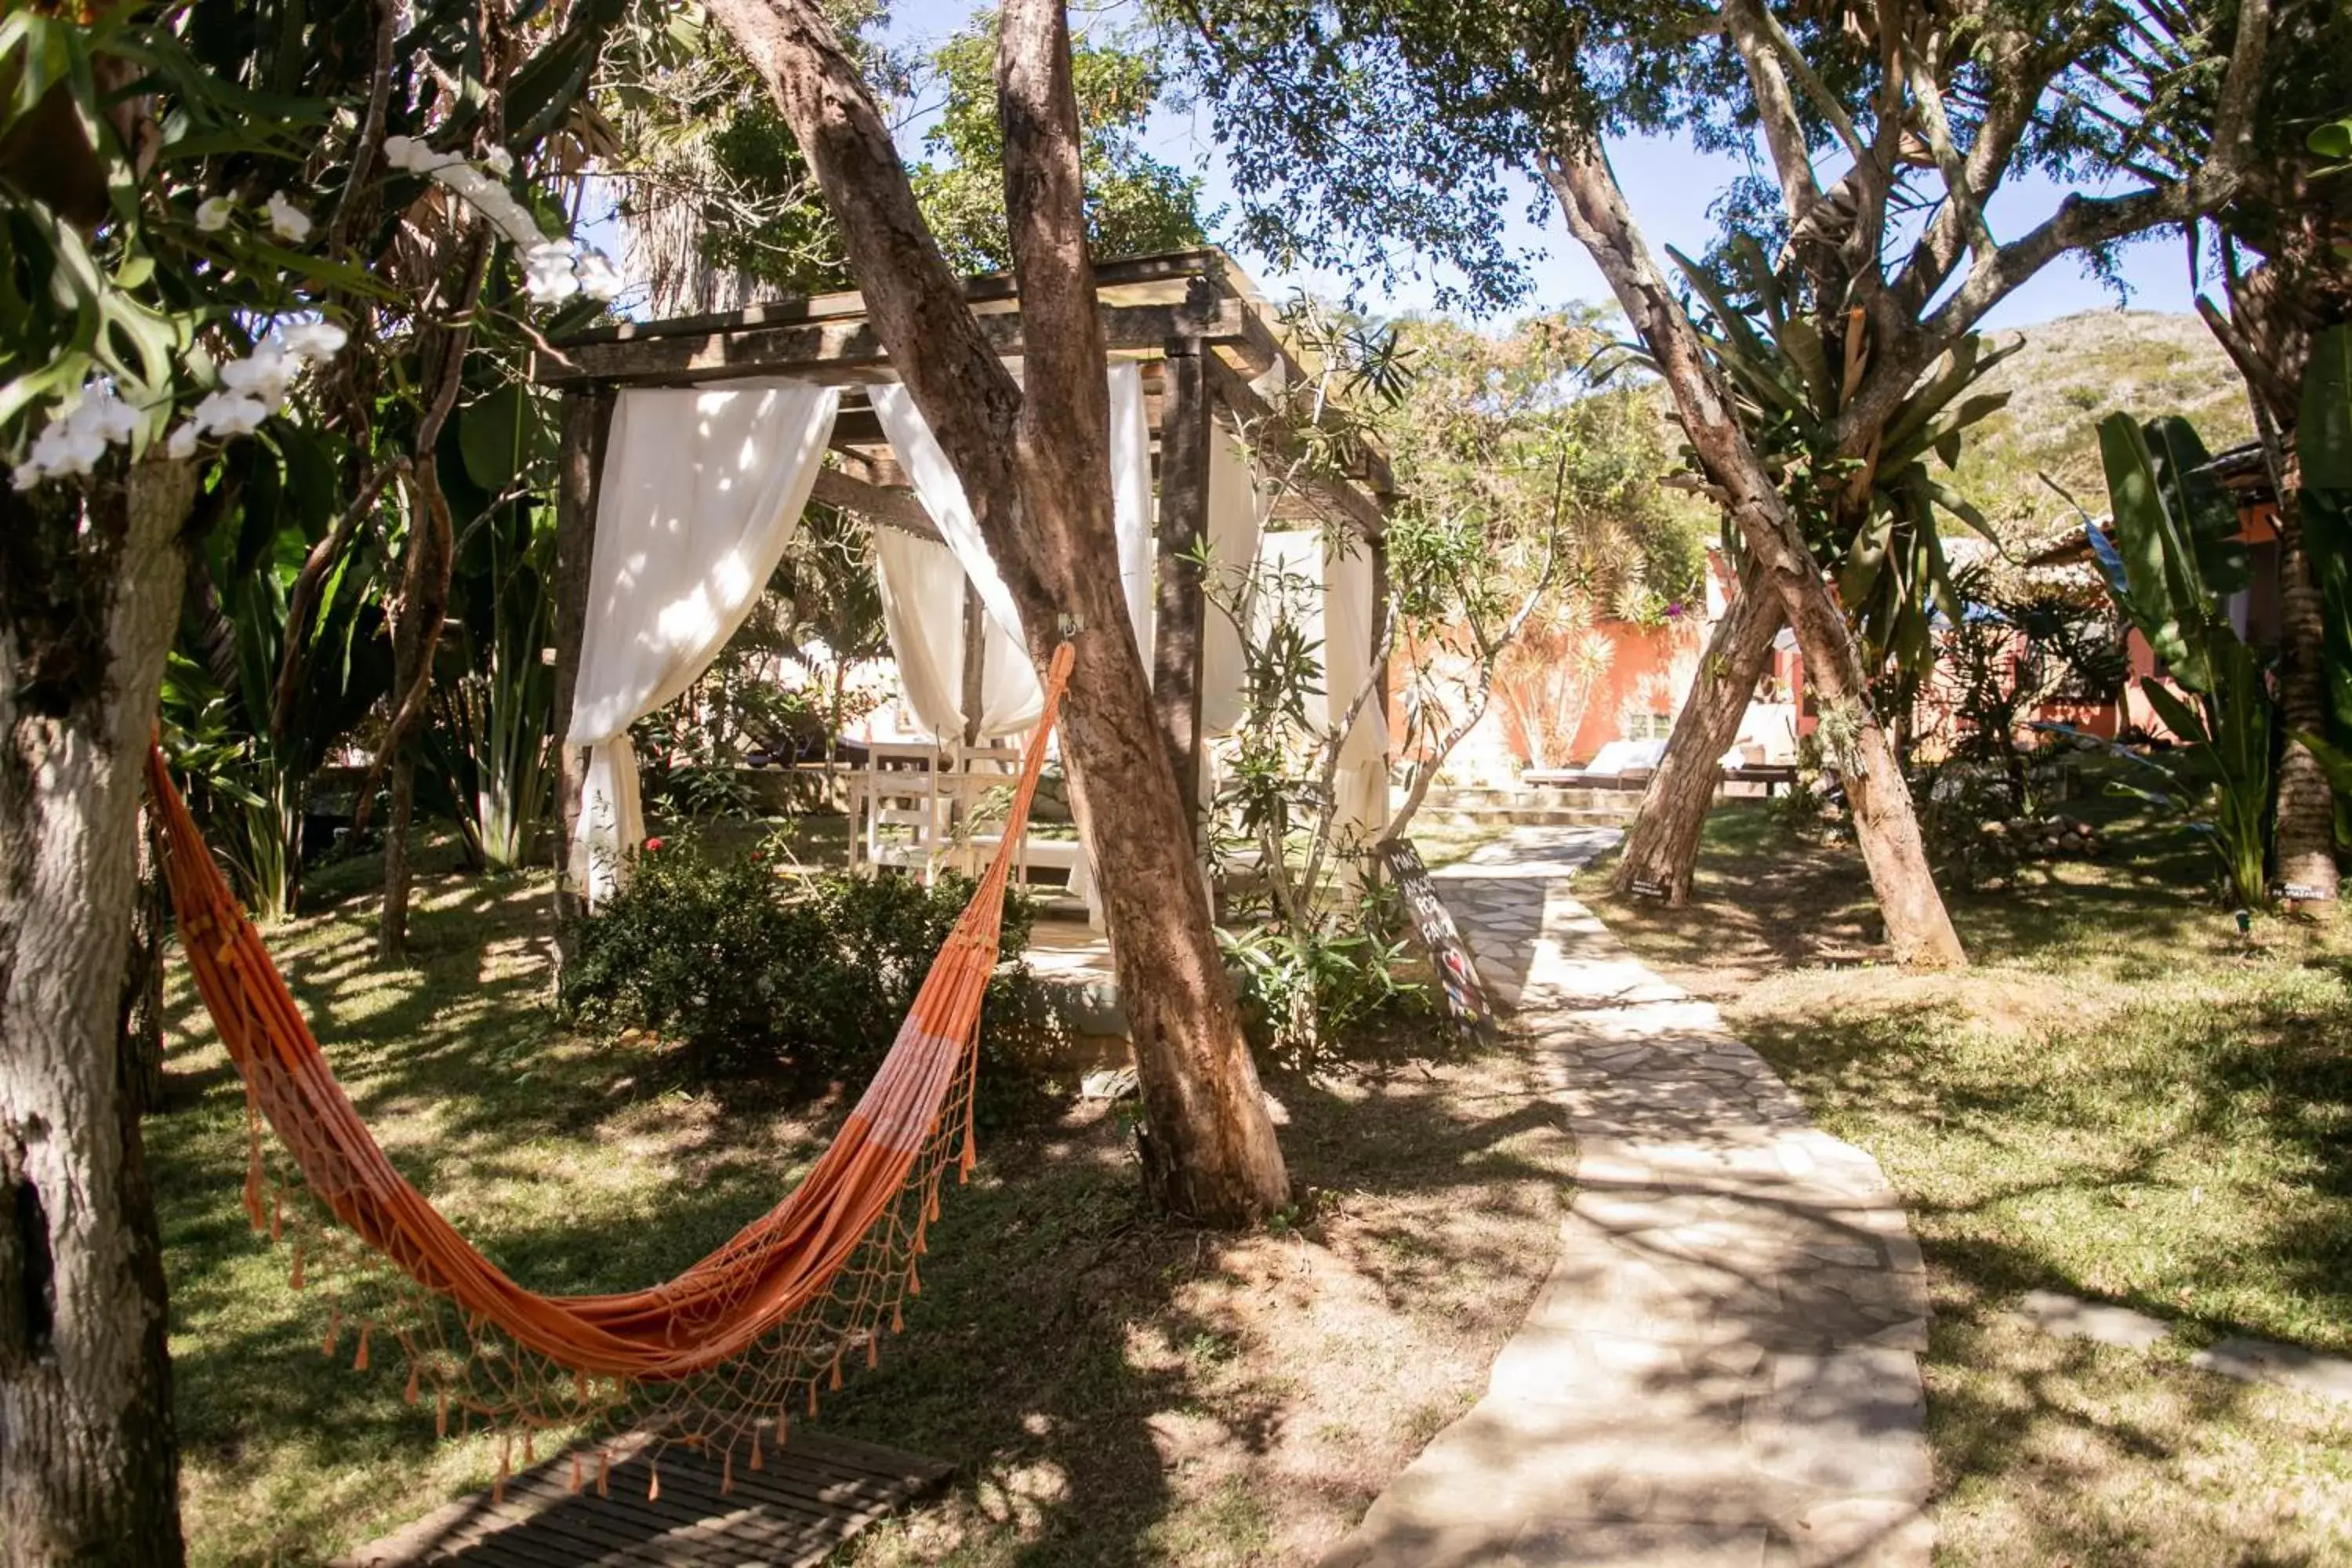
1723, 1367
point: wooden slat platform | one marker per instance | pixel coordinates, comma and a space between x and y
809, 1498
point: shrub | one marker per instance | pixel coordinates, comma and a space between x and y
1305, 994
750, 969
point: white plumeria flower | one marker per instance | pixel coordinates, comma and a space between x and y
181, 443
288, 222
64, 447
225, 414
599, 279
213, 213
548, 276
263, 376
103, 414
500, 161
314, 339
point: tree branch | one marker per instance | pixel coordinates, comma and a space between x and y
1784, 132
1769, 29
1937, 128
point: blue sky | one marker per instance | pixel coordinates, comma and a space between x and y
1670, 186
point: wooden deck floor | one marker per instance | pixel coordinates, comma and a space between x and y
810, 1497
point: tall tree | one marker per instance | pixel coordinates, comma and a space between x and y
1529, 505
1035, 466
2294, 215
184, 191
90, 586
723, 206
1403, 117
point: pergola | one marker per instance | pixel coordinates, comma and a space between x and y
1208, 356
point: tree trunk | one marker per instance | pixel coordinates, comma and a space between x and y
1662, 846
2305, 840
142, 981
1917, 927
587, 420
2276, 312
392, 914
1036, 473
89, 1465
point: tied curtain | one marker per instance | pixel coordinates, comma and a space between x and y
923, 581
701, 491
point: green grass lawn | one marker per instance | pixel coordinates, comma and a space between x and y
2124, 1099
1114, 1389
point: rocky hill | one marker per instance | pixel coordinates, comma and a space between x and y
2070, 373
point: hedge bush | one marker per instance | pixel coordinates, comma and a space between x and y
749, 970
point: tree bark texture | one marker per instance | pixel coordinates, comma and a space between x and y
2276, 312
143, 979
1917, 927
2305, 842
1661, 846
1036, 472
1179, 605
587, 419
89, 1465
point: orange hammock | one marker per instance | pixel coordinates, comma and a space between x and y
795, 1290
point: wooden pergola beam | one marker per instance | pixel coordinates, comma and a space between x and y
1208, 264
849, 350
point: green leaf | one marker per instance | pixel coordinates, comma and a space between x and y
314, 490
500, 436
1959, 506
2179, 717
256, 531
319, 269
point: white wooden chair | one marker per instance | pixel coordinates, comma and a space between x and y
904, 809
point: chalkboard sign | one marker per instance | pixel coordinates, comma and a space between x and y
1457, 974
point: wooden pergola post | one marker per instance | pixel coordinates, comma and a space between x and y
585, 421
1180, 606
1188, 308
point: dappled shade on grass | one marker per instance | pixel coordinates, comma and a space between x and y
1115, 1389
2125, 1101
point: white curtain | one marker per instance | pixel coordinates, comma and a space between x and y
923, 587
701, 490
1130, 495
1362, 785
1234, 505
923, 609
1328, 593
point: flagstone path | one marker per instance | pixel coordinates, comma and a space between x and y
1723, 1368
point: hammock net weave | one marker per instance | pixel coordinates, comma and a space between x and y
720, 1358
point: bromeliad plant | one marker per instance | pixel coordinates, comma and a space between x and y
488, 749
2174, 560
1792, 364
